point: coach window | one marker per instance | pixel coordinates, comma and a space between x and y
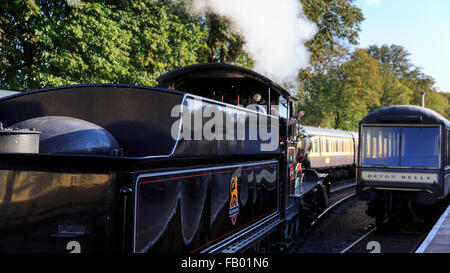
448, 148
374, 147
420, 147
316, 146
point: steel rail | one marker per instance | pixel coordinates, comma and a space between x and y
359, 240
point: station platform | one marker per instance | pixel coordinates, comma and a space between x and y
438, 240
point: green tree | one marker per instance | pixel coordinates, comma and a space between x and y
357, 90
339, 25
403, 82
321, 82
394, 59
221, 44
49, 43
345, 94
85, 45
394, 92
446, 95
18, 44
163, 38
394, 65
438, 102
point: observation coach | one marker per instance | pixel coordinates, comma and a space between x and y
181, 167
404, 160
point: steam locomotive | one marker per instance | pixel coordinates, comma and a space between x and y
128, 168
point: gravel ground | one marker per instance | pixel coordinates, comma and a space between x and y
390, 242
341, 227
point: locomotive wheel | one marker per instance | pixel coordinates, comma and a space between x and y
322, 198
293, 234
299, 229
295, 230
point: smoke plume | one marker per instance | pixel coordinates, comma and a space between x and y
274, 32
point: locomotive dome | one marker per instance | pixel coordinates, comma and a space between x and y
405, 114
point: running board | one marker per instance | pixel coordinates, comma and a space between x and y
245, 238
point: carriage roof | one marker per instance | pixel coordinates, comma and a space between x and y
315, 131
404, 114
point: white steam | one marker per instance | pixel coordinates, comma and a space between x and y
274, 31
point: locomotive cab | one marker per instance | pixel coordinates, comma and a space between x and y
237, 86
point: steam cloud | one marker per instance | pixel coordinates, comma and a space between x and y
274, 31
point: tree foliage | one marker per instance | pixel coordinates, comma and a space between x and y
403, 82
342, 84
61, 42
50, 43
345, 93
339, 24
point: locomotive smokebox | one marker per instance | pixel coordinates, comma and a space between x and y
67, 135
15, 140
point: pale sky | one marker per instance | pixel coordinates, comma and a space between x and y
422, 27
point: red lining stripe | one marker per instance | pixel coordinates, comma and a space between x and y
196, 175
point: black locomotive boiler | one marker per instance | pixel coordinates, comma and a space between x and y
124, 168
403, 161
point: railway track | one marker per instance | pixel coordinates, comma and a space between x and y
344, 227
387, 240
392, 238
339, 195
330, 232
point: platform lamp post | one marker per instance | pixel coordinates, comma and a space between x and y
423, 98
